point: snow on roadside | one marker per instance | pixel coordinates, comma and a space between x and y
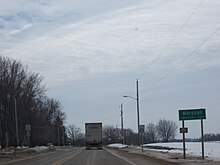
39, 148
24, 149
117, 145
212, 149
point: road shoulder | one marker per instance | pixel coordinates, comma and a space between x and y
165, 158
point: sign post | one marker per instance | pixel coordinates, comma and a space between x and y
184, 140
192, 114
141, 131
28, 130
202, 137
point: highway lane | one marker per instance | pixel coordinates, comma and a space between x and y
96, 157
44, 158
80, 156
112, 157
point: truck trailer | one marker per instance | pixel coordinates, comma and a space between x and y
93, 136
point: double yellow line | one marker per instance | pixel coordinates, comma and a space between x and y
66, 158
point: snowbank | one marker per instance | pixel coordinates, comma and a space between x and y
39, 148
117, 145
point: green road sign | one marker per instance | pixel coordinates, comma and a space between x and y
192, 114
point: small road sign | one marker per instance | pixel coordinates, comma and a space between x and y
28, 127
141, 128
183, 130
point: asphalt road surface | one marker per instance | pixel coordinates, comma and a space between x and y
80, 156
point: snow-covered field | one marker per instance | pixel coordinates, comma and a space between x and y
173, 151
212, 149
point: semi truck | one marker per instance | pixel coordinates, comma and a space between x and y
93, 136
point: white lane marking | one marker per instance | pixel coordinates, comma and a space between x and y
120, 157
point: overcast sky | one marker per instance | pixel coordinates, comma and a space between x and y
91, 53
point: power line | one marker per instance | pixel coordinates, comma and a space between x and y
174, 37
185, 58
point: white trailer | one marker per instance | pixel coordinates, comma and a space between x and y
93, 136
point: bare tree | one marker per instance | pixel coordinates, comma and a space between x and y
108, 134
23, 90
131, 138
151, 132
111, 134
166, 129
74, 133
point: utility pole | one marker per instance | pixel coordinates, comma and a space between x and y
122, 129
138, 115
58, 132
16, 122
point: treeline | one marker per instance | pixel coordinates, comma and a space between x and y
164, 130
24, 103
110, 134
212, 137
113, 134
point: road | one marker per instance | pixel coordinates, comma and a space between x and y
80, 156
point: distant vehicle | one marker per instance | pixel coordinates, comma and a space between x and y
93, 136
